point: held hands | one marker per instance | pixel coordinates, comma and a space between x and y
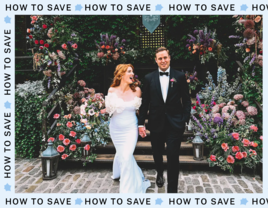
142, 132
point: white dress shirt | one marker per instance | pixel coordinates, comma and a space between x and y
164, 82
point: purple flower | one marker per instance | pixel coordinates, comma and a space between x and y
218, 120
136, 76
187, 45
122, 47
123, 41
73, 34
195, 32
191, 41
116, 44
234, 36
239, 45
253, 59
103, 36
48, 83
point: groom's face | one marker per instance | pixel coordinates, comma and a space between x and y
163, 60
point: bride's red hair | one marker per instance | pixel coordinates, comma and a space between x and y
120, 70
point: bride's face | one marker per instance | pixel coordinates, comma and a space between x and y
128, 77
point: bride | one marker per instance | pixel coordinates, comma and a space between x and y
122, 101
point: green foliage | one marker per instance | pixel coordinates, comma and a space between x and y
28, 134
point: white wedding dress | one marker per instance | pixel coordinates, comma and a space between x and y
124, 134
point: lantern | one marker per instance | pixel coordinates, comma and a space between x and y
84, 142
50, 160
198, 147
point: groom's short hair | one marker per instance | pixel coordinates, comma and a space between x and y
160, 49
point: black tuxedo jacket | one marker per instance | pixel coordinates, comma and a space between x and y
176, 110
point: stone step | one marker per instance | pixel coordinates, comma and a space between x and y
185, 136
184, 159
145, 145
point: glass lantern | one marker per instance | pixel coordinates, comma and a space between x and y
189, 126
50, 160
198, 147
84, 141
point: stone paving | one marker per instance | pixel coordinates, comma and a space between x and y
96, 178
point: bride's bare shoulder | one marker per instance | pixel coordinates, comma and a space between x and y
138, 92
111, 89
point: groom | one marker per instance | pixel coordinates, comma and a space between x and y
166, 95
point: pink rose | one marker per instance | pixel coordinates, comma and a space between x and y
78, 141
212, 158
235, 136
245, 142
56, 116
64, 46
72, 134
60, 148
239, 155
69, 124
235, 148
245, 154
261, 137
253, 152
66, 141
51, 139
252, 111
87, 147
245, 104
73, 147
74, 46
230, 159
254, 128
215, 109
224, 146
61, 137
64, 156
238, 97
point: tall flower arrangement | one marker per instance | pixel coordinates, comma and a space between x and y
203, 43
54, 47
192, 79
85, 118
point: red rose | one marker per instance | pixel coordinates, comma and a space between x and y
64, 156
87, 147
36, 42
214, 103
46, 45
74, 46
239, 155
66, 141
235, 148
51, 139
56, 116
78, 141
235, 136
45, 26
212, 158
64, 46
41, 42
206, 110
41, 47
30, 36
230, 159
194, 107
69, 124
61, 137
244, 154
72, 147
72, 134
201, 53
107, 47
197, 102
60, 148
260, 52
209, 49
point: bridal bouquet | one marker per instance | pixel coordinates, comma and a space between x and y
203, 44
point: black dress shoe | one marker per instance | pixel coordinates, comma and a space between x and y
159, 181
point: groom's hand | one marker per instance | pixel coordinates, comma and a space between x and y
142, 131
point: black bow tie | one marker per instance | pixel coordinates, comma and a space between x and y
163, 73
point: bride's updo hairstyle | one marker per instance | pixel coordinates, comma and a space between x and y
120, 70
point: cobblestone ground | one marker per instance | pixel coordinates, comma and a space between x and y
96, 178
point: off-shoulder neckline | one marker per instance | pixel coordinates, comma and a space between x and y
122, 98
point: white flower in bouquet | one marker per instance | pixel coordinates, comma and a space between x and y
91, 112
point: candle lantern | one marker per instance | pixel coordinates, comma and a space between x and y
198, 147
84, 142
50, 160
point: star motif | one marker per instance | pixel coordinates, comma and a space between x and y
7, 105
78, 7
78, 201
243, 7
158, 7
7, 19
243, 201
7, 187
158, 201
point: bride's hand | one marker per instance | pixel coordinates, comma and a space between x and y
103, 111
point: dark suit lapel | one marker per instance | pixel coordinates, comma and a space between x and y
169, 85
158, 85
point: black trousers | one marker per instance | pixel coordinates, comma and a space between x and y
173, 140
